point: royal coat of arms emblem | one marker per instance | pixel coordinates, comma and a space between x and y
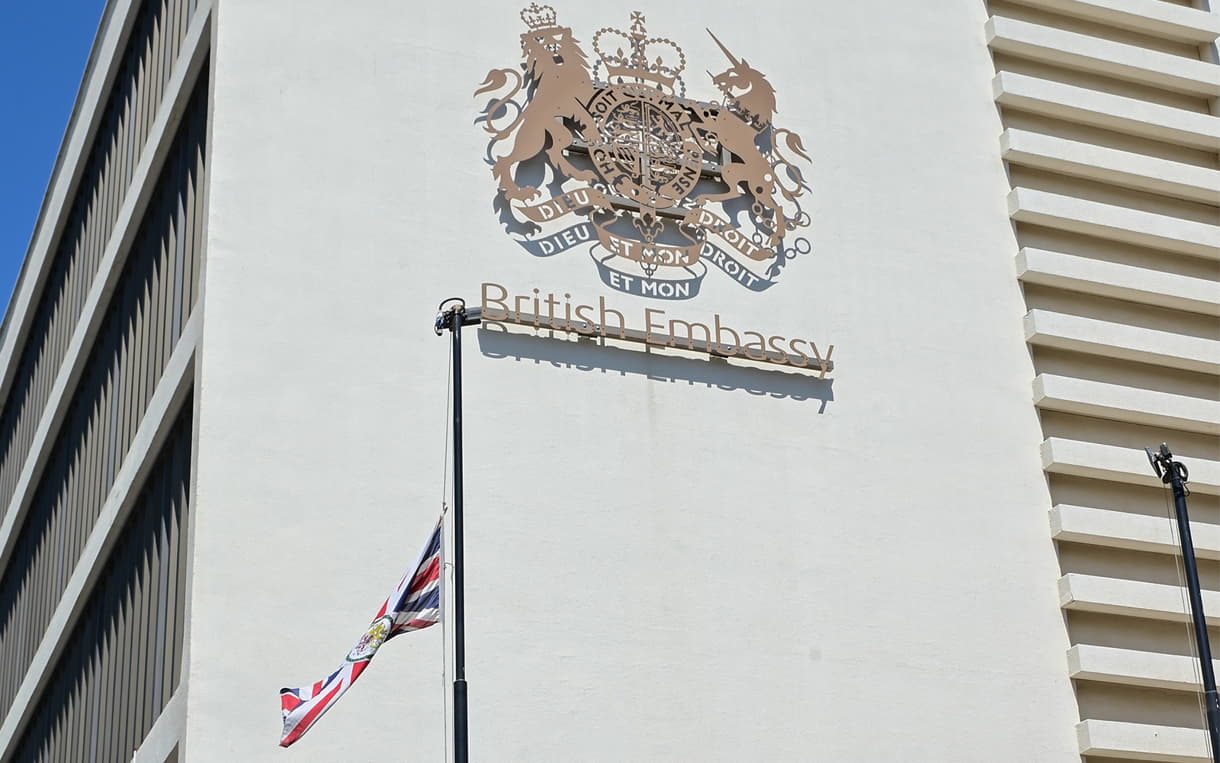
659, 184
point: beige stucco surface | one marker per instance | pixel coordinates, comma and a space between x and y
668, 559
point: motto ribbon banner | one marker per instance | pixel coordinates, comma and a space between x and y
680, 255
566, 203
690, 258
682, 287
726, 231
558, 242
734, 269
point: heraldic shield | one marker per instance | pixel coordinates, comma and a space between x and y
613, 158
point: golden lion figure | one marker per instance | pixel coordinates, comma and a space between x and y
559, 86
737, 126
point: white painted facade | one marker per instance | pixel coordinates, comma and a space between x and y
947, 550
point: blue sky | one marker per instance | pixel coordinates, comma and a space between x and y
44, 45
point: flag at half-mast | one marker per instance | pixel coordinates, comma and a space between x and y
414, 604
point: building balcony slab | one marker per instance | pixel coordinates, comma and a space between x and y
1142, 741
1126, 465
1133, 598
1118, 340
1151, 17
1112, 112
1132, 532
1117, 281
1130, 667
1126, 169
1082, 52
1129, 404
1115, 223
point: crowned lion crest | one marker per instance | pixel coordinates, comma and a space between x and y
615, 158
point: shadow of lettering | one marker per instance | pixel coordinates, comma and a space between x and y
593, 355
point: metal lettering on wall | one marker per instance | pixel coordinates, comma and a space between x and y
653, 184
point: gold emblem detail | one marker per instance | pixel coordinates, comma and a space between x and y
659, 182
372, 640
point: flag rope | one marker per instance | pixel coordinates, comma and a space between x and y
445, 568
1179, 566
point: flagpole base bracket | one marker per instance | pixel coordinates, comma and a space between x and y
460, 751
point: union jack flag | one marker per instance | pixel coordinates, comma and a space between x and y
414, 604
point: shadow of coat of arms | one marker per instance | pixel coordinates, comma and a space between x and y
615, 159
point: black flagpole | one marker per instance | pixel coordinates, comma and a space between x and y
454, 319
1176, 474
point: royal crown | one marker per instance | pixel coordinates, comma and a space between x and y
538, 16
637, 56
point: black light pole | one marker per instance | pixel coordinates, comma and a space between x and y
1176, 474
454, 319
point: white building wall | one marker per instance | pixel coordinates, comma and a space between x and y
668, 559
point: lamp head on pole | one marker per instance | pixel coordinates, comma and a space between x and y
1164, 465
444, 316
1153, 458
456, 306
